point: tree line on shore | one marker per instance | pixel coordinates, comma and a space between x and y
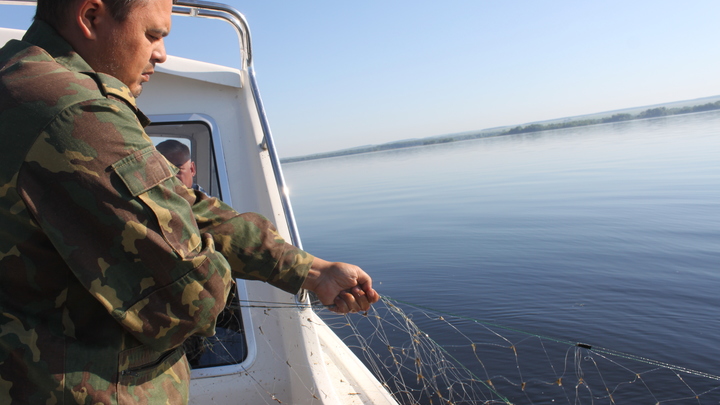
649, 113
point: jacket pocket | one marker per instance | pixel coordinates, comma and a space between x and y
146, 376
148, 178
143, 170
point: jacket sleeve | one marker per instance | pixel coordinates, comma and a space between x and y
252, 245
107, 201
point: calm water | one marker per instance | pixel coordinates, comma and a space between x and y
608, 234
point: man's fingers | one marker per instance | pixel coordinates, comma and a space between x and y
340, 306
361, 298
371, 295
351, 301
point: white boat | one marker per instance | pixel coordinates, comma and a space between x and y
272, 348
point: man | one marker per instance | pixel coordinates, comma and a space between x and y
107, 262
178, 154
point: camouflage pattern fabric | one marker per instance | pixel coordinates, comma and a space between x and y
107, 262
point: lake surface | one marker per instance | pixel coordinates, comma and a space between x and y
607, 234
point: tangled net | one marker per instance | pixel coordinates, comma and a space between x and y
467, 361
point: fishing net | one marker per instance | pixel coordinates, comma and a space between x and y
467, 361
422, 356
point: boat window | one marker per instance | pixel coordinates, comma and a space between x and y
229, 345
197, 137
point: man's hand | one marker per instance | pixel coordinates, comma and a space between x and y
344, 285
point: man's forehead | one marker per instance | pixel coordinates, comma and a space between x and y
159, 12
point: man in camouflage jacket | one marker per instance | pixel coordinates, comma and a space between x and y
107, 261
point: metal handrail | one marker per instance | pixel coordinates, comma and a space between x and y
236, 19
204, 9
218, 11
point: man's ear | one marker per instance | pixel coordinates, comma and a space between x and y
88, 15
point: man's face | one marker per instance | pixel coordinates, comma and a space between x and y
132, 48
187, 173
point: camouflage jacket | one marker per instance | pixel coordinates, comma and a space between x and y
107, 262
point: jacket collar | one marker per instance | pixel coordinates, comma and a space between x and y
41, 34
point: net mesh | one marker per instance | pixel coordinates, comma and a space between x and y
423, 356
467, 361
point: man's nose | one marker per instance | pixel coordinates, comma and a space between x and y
159, 55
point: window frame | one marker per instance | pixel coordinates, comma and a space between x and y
216, 158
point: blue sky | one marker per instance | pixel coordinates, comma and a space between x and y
336, 74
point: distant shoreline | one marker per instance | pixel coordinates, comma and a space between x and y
572, 122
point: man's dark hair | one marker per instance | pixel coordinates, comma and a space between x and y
55, 12
176, 152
